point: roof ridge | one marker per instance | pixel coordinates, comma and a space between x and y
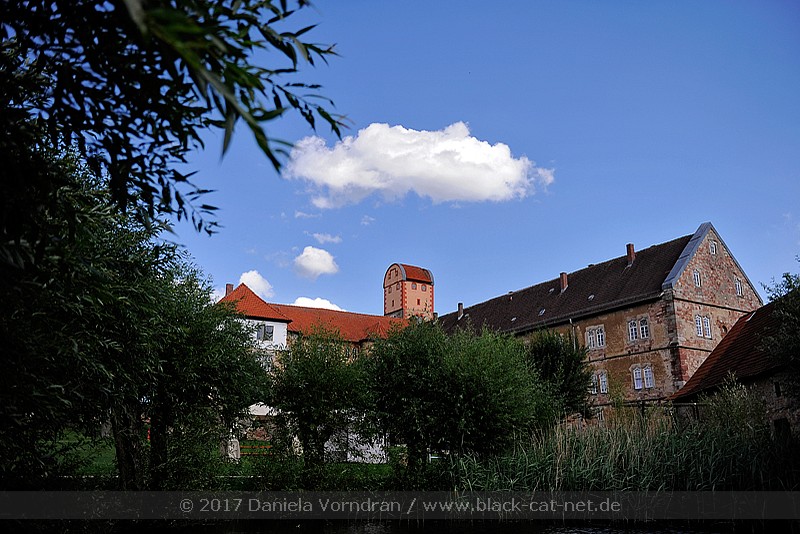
590, 266
330, 310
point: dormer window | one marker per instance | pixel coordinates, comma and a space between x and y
712, 246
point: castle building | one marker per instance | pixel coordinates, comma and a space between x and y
408, 292
648, 318
277, 326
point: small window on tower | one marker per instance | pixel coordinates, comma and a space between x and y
424, 287
413, 285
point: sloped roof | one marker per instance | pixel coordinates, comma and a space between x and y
251, 305
417, 274
738, 353
353, 327
592, 290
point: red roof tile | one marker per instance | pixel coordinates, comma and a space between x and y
353, 327
738, 353
251, 305
417, 274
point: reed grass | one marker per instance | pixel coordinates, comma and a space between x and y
729, 448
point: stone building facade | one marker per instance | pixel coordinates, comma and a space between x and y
740, 356
648, 318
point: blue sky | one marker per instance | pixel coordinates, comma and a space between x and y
500, 143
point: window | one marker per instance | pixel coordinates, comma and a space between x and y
648, 377
777, 386
696, 276
738, 285
707, 326
398, 285
644, 328
265, 332
637, 378
698, 325
390, 289
591, 338
424, 287
713, 248
417, 302
413, 285
603, 380
633, 330
595, 337
593, 387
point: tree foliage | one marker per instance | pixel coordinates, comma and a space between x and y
108, 323
561, 362
465, 393
785, 342
319, 389
133, 84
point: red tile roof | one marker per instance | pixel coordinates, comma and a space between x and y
353, 327
251, 305
417, 274
739, 353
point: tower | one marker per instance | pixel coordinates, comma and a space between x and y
408, 291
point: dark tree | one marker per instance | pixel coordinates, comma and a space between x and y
133, 84
561, 361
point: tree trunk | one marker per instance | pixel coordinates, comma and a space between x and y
127, 429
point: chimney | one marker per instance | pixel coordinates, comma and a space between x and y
564, 282
228, 289
460, 311
631, 254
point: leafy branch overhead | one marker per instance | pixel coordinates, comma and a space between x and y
134, 83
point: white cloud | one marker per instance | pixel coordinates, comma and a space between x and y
316, 303
304, 215
314, 262
445, 165
257, 283
326, 238
366, 220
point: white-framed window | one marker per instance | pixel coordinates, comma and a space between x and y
633, 330
593, 386
413, 285
696, 277
591, 338
602, 378
595, 337
424, 287
712, 246
707, 327
644, 328
737, 283
698, 325
647, 371
637, 378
